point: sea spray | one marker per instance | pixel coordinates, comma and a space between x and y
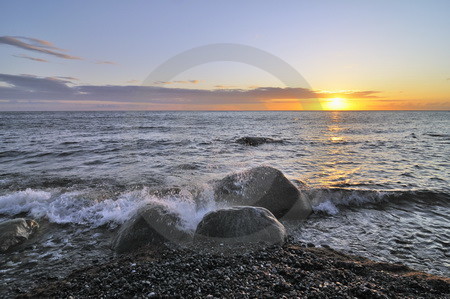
77, 207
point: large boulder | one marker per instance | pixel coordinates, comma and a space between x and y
152, 224
240, 225
15, 232
264, 187
255, 141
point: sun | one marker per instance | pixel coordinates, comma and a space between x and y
336, 104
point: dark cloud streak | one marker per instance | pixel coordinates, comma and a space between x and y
36, 45
30, 58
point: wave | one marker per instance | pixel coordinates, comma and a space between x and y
12, 153
331, 200
80, 208
445, 136
99, 207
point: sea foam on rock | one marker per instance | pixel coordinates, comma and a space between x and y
240, 225
15, 232
265, 187
152, 224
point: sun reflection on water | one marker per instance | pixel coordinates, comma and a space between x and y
336, 166
336, 138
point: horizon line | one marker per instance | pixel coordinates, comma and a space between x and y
168, 110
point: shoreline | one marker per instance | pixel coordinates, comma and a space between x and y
291, 270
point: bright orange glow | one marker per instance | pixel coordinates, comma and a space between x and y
335, 104
283, 104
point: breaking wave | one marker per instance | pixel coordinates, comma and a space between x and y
91, 208
330, 201
77, 208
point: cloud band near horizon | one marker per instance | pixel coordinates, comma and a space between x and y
32, 88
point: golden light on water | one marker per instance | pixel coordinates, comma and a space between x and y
336, 139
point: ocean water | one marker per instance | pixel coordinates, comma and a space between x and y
378, 181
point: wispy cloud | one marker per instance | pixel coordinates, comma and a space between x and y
133, 81
62, 79
26, 87
349, 94
224, 86
30, 58
177, 82
36, 45
105, 62
68, 78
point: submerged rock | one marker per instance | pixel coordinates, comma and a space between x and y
152, 224
264, 187
240, 225
255, 141
15, 232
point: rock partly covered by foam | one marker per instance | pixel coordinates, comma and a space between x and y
240, 225
15, 232
255, 141
152, 224
264, 187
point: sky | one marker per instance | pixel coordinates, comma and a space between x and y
227, 55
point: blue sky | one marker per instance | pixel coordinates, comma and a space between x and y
400, 49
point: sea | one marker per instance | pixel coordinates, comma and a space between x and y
378, 181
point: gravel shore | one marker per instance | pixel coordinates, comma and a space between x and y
290, 270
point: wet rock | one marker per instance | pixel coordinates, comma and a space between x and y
264, 187
240, 225
255, 141
15, 232
152, 224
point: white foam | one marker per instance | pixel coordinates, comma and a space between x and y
190, 210
70, 207
76, 208
23, 201
327, 207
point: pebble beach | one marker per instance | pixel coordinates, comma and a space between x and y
291, 270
